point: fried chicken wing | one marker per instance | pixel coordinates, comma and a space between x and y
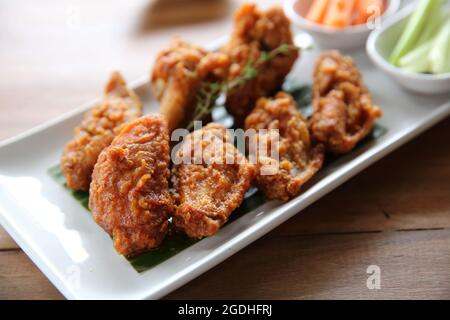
129, 194
343, 111
178, 75
210, 181
285, 157
256, 33
96, 131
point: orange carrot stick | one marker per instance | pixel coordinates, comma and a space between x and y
339, 13
317, 11
367, 8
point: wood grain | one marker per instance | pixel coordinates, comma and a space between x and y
331, 267
396, 214
6, 242
20, 279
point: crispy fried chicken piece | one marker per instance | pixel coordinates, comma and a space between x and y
98, 128
129, 194
178, 75
343, 111
210, 182
255, 33
286, 159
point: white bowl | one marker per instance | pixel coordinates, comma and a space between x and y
327, 37
380, 45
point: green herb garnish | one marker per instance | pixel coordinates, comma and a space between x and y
210, 91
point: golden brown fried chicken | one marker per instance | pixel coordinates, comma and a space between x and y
256, 33
286, 159
129, 194
96, 131
210, 182
178, 75
343, 111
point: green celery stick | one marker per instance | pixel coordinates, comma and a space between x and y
417, 59
422, 66
414, 27
440, 53
432, 25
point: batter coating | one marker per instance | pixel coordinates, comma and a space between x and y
255, 33
178, 75
98, 128
281, 177
129, 194
343, 111
210, 184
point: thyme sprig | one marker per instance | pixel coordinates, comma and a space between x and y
210, 91
206, 98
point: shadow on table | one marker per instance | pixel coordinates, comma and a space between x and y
168, 13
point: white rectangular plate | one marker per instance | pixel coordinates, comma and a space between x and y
62, 239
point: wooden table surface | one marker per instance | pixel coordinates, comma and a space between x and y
55, 55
